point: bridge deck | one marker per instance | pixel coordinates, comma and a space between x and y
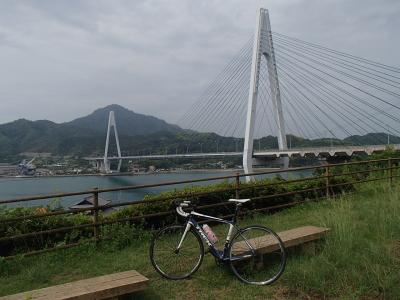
316, 151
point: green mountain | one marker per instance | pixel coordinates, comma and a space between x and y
139, 135
37, 136
82, 136
128, 122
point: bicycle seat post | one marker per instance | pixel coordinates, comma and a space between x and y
239, 203
237, 208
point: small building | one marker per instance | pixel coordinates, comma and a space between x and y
136, 168
152, 169
88, 202
36, 154
7, 169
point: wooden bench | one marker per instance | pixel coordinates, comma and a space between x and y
102, 287
290, 238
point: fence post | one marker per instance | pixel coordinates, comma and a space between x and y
390, 163
237, 185
96, 215
327, 174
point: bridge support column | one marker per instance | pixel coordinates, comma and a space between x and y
106, 162
263, 46
105, 166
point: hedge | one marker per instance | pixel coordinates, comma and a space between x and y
211, 194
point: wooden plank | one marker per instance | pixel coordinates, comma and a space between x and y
101, 287
290, 238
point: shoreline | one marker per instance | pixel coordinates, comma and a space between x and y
125, 173
193, 171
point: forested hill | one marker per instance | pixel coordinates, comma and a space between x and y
139, 134
128, 122
82, 136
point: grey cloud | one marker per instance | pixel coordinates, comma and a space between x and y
62, 59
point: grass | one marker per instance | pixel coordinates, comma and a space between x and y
360, 259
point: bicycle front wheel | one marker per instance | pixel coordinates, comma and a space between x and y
170, 262
257, 255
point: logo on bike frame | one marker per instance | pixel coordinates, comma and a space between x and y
203, 235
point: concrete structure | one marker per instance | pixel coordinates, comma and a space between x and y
8, 170
258, 157
262, 47
105, 165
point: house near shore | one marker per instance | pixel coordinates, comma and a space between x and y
88, 202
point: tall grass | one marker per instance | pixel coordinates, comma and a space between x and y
358, 258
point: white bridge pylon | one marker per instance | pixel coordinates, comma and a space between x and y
262, 47
105, 167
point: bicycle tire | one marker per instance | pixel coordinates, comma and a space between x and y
245, 257
175, 232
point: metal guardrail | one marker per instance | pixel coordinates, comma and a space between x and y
237, 187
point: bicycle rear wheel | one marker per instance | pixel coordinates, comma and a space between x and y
170, 262
257, 255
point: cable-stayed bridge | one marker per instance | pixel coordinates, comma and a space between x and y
282, 86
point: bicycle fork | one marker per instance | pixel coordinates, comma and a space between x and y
188, 225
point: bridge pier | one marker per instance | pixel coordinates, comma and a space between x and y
262, 47
105, 166
337, 159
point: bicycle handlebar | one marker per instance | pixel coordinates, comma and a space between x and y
180, 212
179, 208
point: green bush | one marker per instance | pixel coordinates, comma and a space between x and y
199, 195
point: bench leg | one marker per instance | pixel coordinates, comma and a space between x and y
259, 265
308, 248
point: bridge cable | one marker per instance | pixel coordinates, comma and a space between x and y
342, 65
310, 88
220, 78
324, 55
210, 110
341, 89
338, 99
346, 82
354, 57
300, 108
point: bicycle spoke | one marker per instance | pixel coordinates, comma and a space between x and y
250, 258
173, 263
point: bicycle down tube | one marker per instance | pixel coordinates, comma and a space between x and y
223, 255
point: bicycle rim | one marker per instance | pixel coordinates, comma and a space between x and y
257, 255
174, 264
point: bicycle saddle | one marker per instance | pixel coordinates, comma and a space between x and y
239, 200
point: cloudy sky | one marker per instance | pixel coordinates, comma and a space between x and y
63, 59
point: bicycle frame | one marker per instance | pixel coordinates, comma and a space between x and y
240, 248
218, 254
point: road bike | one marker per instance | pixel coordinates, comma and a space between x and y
255, 253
